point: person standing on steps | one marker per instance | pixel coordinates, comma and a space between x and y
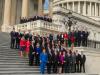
27, 47
43, 61
38, 51
31, 54
82, 62
13, 38
22, 46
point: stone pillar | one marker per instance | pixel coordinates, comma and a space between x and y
25, 8
90, 14
84, 8
73, 6
99, 9
50, 7
95, 9
13, 12
79, 7
7, 12
40, 7
67, 5
7, 17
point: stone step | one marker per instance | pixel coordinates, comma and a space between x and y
19, 72
9, 54
18, 66
54, 74
6, 63
13, 61
19, 69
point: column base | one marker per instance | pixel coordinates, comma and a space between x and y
6, 28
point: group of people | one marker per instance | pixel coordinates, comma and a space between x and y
44, 18
51, 50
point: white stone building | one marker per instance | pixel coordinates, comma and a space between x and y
90, 8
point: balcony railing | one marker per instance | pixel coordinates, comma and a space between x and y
93, 44
37, 24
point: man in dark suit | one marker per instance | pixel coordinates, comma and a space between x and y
55, 61
83, 38
77, 64
31, 54
49, 63
82, 62
58, 37
86, 37
17, 39
13, 37
62, 38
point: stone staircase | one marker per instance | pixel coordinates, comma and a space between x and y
10, 62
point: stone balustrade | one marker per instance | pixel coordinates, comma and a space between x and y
37, 26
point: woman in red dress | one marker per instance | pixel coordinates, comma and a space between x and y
28, 43
72, 40
65, 38
22, 46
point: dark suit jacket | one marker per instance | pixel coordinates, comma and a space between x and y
78, 57
83, 59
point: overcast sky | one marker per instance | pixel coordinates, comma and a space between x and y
46, 4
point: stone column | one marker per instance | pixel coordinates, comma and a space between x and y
67, 5
99, 9
25, 8
84, 8
90, 14
73, 6
95, 9
13, 12
7, 12
79, 7
40, 7
50, 7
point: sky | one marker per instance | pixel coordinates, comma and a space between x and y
46, 4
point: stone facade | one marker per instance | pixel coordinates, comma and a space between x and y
90, 8
12, 10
